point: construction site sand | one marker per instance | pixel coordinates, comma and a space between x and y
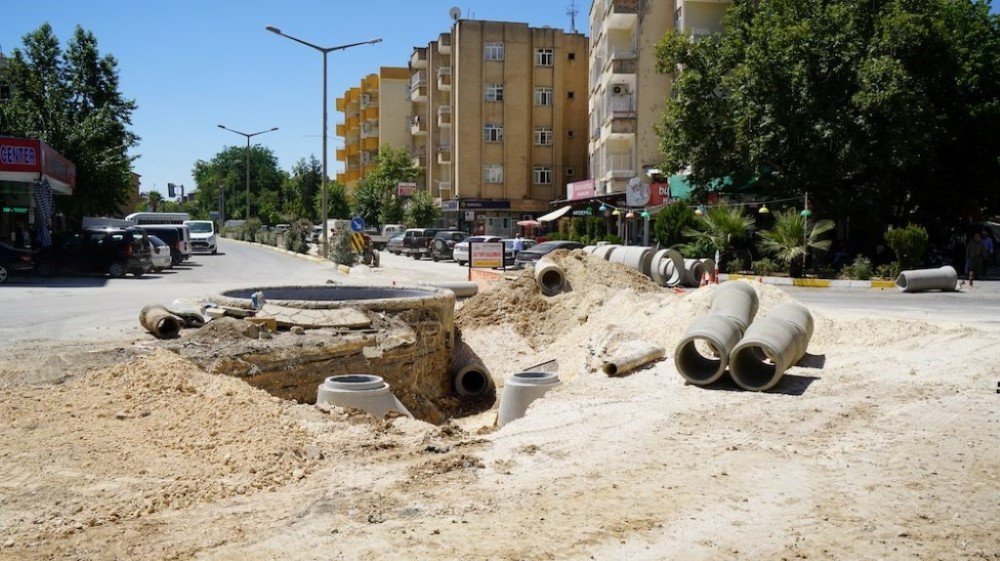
888, 451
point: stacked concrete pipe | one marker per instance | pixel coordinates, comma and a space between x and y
361, 391
550, 278
605, 251
159, 321
639, 258
771, 346
734, 305
521, 390
668, 267
694, 270
944, 278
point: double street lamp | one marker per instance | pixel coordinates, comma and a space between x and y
325, 51
249, 136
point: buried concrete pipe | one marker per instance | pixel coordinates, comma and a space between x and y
472, 380
361, 391
521, 390
694, 270
943, 278
550, 278
770, 346
160, 322
636, 257
703, 354
461, 289
627, 361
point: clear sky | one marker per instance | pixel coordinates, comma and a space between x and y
193, 64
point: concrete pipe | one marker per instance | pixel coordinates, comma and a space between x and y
771, 346
737, 301
667, 267
630, 360
944, 278
605, 251
550, 278
709, 265
472, 380
636, 257
361, 391
461, 289
719, 334
521, 390
160, 322
588, 249
694, 270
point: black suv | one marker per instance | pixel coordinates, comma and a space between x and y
13, 260
443, 243
417, 241
171, 236
112, 251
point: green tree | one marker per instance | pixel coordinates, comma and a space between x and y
885, 112
421, 212
302, 188
71, 100
670, 223
227, 170
791, 236
375, 199
153, 200
720, 227
909, 245
338, 201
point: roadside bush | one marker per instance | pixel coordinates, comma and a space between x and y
764, 267
888, 271
670, 223
341, 250
250, 229
736, 264
860, 269
909, 244
297, 237
699, 248
613, 239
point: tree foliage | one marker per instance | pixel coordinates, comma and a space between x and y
909, 245
791, 236
227, 170
302, 188
670, 223
885, 112
720, 227
375, 199
71, 100
338, 201
421, 211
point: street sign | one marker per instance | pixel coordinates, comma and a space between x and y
357, 224
486, 254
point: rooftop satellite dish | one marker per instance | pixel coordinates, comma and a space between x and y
455, 13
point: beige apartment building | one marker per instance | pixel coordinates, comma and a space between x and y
499, 121
627, 93
374, 115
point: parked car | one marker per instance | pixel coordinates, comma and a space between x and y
529, 256
381, 238
170, 236
186, 248
395, 244
160, 254
111, 251
417, 241
282, 228
203, 238
461, 251
14, 261
444, 242
508, 249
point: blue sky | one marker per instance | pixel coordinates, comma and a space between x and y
191, 65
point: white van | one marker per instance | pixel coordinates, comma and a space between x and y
203, 236
166, 219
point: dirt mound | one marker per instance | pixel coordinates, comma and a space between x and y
222, 330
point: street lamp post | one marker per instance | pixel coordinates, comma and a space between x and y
325, 51
249, 136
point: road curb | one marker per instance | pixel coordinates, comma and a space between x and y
813, 283
312, 258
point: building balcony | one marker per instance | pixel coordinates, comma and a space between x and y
353, 175
369, 130
353, 123
367, 158
444, 189
418, 88
341, 104
621, 14
444, 79
700, 18
444, 154
341, 129
444, 116
370, 82
618, 165
419, 158
341, 154
370, 143
353, 150
370, 113
419, 58
342, 178
418, 125
444, 43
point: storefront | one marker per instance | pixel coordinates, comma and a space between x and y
486, 216
31, 175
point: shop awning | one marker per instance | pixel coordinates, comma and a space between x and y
555, 214
24, 160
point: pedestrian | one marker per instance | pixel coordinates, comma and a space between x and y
975, 254
518, 245
988, 247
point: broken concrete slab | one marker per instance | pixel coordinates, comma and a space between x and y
284, 316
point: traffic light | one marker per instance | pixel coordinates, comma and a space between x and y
171, 190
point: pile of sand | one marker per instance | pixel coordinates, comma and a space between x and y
151, 435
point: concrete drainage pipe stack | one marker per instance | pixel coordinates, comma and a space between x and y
605, 251
639, 258
521, 390
550, 278
694, 270
944, 278
733, 308
667, 268
361, 391
770, 346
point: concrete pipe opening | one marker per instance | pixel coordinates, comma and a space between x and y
703, 354
521, 390
550, 278
366, 392
637, 357
160, 322
754, 368
473, 380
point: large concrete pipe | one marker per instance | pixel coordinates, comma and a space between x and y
694, 270
667, 267
159, 321
736, 300
588, 249
636, 257
943, 278
770, 346
605, 251
717, 335
472, 380
521, 390
709, 266
361, 391
550, 278
633, 358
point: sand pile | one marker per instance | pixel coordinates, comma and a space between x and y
155, 434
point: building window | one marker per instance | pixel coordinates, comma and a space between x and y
543, 175
569, 133
570, 172
544, 57
543, 136
571, 56
494, 173
543, 97
494, 51
493, 132
569, 95
494, 92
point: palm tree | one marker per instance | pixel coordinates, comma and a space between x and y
791, 237
153, 200
721, 226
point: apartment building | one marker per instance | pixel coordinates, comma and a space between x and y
499, 120
627, 93
374, 115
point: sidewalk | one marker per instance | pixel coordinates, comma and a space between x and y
812, 283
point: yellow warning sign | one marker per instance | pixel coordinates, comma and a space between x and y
358, 242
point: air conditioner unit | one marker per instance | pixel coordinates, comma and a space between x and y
619, 89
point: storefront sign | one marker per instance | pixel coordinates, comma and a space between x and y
486, 254
449, 206
20, 155
636, 193
57, 167
14, 210
404, 189
581, 190
659, 194
482, 204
